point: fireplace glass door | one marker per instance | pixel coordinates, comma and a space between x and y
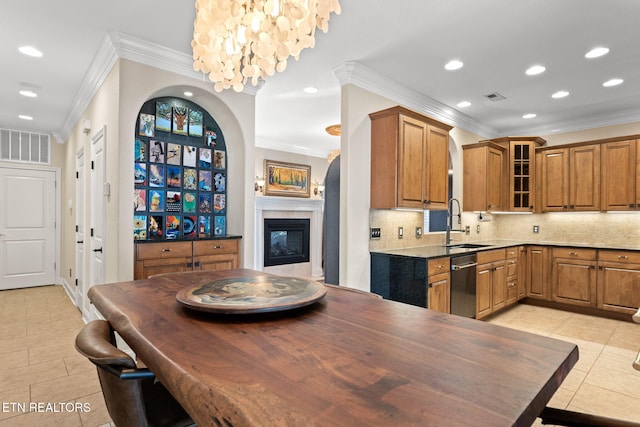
286, 241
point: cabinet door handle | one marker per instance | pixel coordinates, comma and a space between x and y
98, 250
166, 250
573, 253
189, 264
430, 285
217, 247
426, 202
623, 257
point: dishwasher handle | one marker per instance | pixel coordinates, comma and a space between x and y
455, 267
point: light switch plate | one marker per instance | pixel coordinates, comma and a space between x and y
418, 232
375, 233
400, 232
536, 228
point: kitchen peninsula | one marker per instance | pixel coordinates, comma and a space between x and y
349, 359
592, 279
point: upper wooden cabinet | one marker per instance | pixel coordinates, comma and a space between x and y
483, 178
506, 184
620, 176
570, 178
409, 160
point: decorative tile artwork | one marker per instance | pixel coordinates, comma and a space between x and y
180, 172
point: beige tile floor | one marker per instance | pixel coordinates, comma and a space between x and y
603, 381
39, 364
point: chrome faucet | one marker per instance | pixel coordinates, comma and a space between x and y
450, 228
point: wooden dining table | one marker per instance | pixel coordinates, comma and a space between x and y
349, 359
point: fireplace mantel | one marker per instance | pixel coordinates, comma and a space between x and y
291, 207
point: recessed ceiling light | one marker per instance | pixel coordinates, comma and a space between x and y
536, 69
612, 82
529, 116
464, 104
311, 89
453, 65
188, 94
25, 117
28, 93
597, 52
560, 94
31, 51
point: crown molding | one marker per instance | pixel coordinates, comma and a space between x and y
123, 46
357, 74
583, 123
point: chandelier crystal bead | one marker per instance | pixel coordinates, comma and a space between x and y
241, 41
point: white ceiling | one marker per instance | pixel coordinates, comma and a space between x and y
396, 48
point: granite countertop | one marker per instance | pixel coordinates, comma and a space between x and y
437, 251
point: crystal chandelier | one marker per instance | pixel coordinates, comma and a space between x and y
235, 41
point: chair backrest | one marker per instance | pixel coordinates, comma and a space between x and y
124, 398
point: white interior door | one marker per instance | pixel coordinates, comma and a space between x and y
81, 291
27, 227
98, 209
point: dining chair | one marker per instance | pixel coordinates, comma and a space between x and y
133, 396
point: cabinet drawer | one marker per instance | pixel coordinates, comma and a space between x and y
619, 256
214, 247
162, 250
574, 253
491, 256
512, 252
512, 267
439, 265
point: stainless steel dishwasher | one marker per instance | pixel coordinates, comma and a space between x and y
463, 285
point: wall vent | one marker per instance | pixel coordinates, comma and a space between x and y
25, 147
495, 96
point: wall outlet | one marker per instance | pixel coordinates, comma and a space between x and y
418, 232
400, 232
467, 230
375, 233
478, 228
536, 228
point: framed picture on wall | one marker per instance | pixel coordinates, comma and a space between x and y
163, 116
147, 125
180, 120
195, 123
286, 179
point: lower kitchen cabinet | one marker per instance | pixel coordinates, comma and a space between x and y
173, 257
618, 287
574, 276
537, 278
511, 267
490, 282
439, 285
409, 280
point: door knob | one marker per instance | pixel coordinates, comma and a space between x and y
98, 250
80, 241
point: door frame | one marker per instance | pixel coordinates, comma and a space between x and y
58, 279
101, 211
80, 218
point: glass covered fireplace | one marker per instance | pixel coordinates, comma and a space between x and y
286, 241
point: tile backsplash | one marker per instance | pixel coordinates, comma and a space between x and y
613, 229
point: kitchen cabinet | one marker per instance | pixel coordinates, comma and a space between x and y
511, 268
618, 286
490, 282
215, 255
484, 168
571, 178
409, 160
537, 278
520, 176
499, 174
522, 272
172, 257
620, 175
574, 276
439, 285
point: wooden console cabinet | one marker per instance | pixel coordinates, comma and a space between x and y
172, 257
409, 160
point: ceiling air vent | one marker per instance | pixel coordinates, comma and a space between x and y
495, 96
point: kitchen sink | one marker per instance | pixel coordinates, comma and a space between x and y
468, 246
